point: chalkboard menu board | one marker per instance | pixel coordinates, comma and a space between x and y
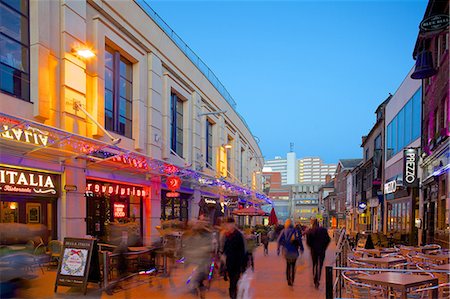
75, 262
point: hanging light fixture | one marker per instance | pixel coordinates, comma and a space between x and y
424, 64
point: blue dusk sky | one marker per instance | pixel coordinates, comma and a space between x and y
307, 72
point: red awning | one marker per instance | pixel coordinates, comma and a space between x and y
251, 211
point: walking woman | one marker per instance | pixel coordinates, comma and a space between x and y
317, 239
291, 240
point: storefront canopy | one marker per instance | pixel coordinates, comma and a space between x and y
250, 211
26, 138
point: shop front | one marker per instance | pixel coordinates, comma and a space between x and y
29, 196
114, 206
175, 208
436, 195
211, 208
402, 207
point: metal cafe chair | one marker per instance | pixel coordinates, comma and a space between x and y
424, 293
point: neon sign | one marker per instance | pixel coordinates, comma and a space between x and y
119, 210
30, 135
105, 188
133, 162
24, 181
173, 183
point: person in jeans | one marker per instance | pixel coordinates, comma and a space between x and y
291, 241
317, 239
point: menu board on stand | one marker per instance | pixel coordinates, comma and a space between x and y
78, 255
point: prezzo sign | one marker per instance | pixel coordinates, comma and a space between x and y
30, 135
390, 187
410, 160
17, 181
106, 188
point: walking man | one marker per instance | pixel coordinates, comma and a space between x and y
291, 240
317, 239
235, 253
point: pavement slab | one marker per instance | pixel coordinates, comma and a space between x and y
268, 281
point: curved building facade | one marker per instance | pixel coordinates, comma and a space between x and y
88, 141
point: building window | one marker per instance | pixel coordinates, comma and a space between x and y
405, 127
241, 167
209, 144
14, 49
176, 124
118, 93
229, 158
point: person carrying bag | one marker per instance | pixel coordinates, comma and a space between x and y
291, 241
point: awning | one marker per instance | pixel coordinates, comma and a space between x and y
27, 138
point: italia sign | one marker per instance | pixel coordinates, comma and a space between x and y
410, 159
30, 135
13, 181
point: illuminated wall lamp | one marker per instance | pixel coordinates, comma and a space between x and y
227, 146
85, 53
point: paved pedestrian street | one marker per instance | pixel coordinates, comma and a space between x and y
269, 281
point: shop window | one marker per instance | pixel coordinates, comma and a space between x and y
176, 124
14, 48
442, 207
9, 212
118, 93
209, 144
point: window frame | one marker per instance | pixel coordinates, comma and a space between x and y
209, 144
117, 98
176, 118
24, 75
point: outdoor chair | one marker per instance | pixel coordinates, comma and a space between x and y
55, 248
40, 256
362, 290
425, 293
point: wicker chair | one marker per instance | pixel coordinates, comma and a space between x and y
40, 256
55, 248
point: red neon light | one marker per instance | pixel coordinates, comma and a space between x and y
119, 210
173, 183
115, 189
170, 169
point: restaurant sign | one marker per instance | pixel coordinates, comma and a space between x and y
108, 189
19, 181
410, 159
433, 23
29, 135
390, 187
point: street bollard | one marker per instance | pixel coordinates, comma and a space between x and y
329, 282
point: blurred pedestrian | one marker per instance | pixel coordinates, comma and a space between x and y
318, 240
235, 253
265, 242
291, 241
250, 242
198, 252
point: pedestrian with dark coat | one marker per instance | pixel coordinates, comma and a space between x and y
265, 242
291, 241
318, 240
235, 253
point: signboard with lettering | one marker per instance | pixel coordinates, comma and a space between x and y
75, 262
29, 135
108, 189
410, 161
20, 181
433, 23
390, 187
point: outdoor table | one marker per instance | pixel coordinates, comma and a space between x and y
16, 247
138, 248
387, 262
400, 281
442, 267
378, 251
441, 258
425, 249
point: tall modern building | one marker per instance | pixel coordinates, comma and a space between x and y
278, 165
313, 170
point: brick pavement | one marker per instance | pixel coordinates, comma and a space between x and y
268, 282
